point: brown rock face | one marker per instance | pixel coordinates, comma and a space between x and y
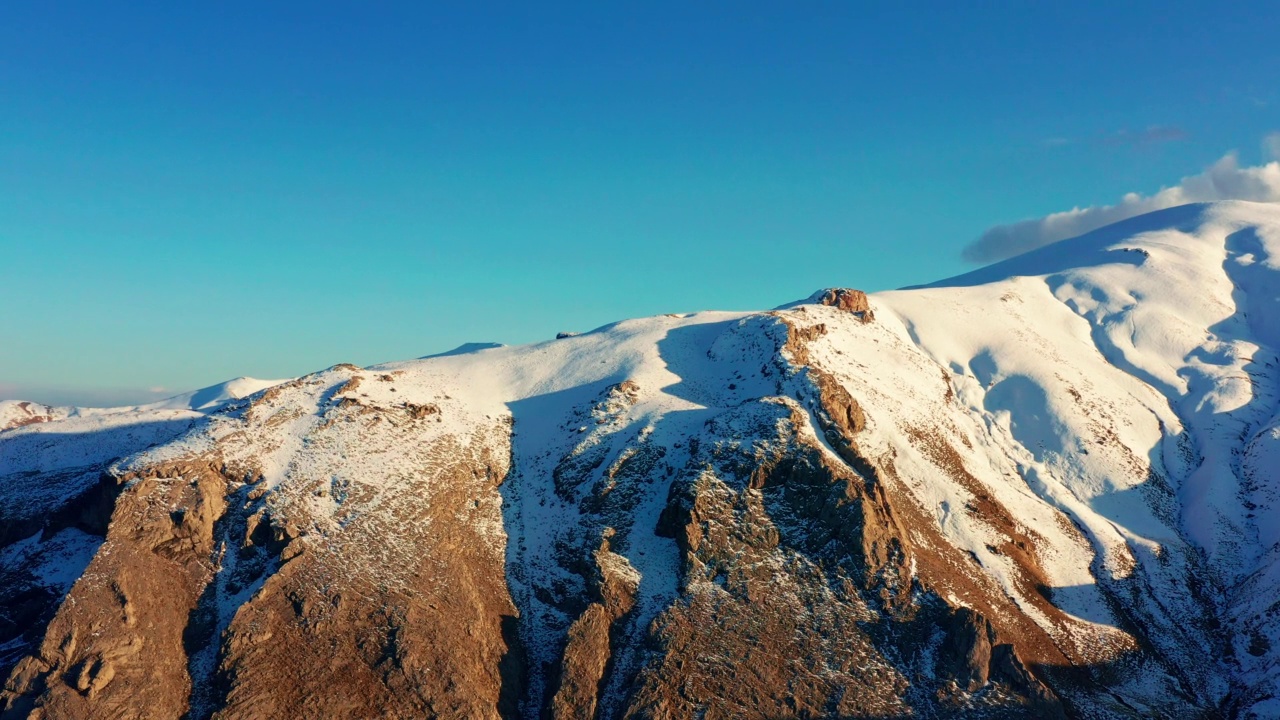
587, 647
116, 646
966, 653
763, 630
320, 641
221, 594
800, 601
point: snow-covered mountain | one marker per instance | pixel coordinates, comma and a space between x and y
1048, 488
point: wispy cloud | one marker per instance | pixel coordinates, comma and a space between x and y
1125, 137
1271, 144
1154, 135
1223, 180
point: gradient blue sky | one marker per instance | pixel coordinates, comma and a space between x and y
195, 191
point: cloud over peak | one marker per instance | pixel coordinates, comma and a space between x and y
1223, 180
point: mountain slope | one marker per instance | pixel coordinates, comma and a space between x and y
1046, 488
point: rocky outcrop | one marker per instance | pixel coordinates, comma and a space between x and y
847, 299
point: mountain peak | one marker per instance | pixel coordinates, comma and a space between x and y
1190, 226
1047, 488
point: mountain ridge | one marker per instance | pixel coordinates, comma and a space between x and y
1042, 488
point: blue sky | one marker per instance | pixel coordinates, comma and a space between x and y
192, 192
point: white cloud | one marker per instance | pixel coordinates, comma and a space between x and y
1223, 180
